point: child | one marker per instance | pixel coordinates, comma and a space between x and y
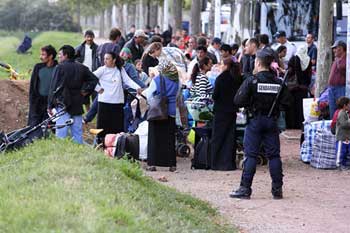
343, 133
142, 75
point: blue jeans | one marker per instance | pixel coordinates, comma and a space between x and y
334, 94
262, 130
92, 112
342, 152
76, 128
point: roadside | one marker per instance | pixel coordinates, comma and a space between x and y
314, 200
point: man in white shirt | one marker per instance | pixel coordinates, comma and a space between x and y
282, 40
86, 54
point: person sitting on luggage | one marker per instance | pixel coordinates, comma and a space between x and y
343, 133
200, 83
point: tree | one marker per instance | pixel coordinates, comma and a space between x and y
177, 14
324, 55
195, 17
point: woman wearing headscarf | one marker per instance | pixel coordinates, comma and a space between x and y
161, 133
300, 67
223, 151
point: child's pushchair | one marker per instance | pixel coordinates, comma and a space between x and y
21, 137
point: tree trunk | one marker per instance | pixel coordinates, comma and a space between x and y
109, 17
131, 15
119, 15
177, 15
153, 15
195, 17
324, 55
211, 23
166, 15
232, 17
347, 90
217, 23
142, 14
78, 12
102, 24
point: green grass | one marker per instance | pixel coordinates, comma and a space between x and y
23, 63
57, 186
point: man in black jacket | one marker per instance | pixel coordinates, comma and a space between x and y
86, 54
71, 82
136, 44
40, 85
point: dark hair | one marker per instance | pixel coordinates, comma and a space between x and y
50, 50
263, 39
281, 48
234, 47
68, 51
202, 48
155, 38
204, 61
132, 26
232, 66
244, 42
342, 101
202, 41
265, 61
89, 33
226, 48
254, 41
118, 60
114, 34
312, 35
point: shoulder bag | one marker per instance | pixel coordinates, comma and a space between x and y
158, 104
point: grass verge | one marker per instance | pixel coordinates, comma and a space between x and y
23, 63
57, 186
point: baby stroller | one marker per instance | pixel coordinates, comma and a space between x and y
22, 137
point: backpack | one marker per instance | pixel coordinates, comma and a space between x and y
334, 122
201, 159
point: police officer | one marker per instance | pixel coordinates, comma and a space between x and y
257, 93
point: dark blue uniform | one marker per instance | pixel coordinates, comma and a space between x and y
258, 93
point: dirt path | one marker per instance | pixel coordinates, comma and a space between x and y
314, 200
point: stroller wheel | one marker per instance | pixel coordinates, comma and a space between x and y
183, 150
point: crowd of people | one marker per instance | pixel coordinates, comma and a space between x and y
98, 76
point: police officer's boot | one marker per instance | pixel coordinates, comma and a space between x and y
277, 193
242, 192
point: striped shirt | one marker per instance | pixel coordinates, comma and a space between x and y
202, 87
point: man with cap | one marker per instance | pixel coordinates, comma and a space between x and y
337, 76
136, 44
214, 48
258, 94
281, 39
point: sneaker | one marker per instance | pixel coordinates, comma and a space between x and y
241, 192
277, 193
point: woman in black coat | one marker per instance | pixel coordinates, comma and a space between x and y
223, 151
301, 67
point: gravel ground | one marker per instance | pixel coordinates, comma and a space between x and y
314, 200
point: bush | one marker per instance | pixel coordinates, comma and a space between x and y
15, 15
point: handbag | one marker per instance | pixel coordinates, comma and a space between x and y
158, 104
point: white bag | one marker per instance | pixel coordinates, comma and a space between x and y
142, 131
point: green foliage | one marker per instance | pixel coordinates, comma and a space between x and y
57, 186
37, 15
25, 62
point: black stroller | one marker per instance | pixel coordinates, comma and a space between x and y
22, 137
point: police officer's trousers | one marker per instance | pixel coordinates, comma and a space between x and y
262, 130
